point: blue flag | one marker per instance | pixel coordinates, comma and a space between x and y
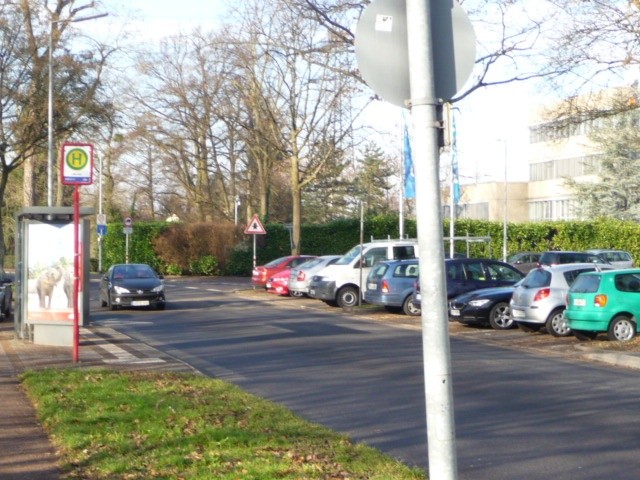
409, 178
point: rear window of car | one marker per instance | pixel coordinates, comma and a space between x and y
586, 284
537, 278
379, 270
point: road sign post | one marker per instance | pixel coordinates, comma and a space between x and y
76, 169
254, 228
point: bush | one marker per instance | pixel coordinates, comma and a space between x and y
206, 265
173, 269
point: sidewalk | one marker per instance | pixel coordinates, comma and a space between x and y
25, 450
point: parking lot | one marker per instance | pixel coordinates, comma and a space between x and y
514, 338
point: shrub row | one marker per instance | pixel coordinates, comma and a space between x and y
223, 249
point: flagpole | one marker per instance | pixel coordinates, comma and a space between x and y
401, 206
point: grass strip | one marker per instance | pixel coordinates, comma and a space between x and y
147, 425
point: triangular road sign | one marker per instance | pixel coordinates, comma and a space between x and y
255, 226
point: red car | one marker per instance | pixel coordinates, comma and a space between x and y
263, 273
279, 282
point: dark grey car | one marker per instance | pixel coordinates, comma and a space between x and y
132, 285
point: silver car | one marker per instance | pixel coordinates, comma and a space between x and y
301, 276
539, 301
618, 258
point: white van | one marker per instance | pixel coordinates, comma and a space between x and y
339, 284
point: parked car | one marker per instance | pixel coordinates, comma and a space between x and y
262, 273
132, 285
301, 276
560, 257
524, 261
468, 274
539, 301
484, 307
279, 283
390, 284
339, 284
605, 302
619, 258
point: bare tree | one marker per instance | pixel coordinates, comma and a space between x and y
24, 39
306, 99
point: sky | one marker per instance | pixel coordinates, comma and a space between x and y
492, 123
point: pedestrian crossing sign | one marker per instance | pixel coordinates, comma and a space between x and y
255, 226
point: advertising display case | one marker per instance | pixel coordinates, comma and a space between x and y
45, 274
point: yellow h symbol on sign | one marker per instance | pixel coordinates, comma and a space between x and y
77, 159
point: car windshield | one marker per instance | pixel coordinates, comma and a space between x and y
133, 271
347, 258
275, 262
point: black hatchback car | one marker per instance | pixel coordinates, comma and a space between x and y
132, 285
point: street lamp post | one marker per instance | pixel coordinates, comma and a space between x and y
50, 108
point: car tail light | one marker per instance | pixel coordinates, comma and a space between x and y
542, 294
385, 286
600, 300
301, 276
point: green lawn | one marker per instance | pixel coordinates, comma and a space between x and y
132, 425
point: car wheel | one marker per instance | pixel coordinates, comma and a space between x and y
584, 335
557, 325
529, 327
347, 297
500, 318
622, 329
410, 308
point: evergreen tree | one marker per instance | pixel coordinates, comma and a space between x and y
614, 189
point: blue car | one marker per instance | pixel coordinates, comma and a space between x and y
390, 284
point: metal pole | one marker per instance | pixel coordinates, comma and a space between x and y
50, 106
50, 122
100, 213
435, 324
504, 220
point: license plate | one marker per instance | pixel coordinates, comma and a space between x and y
517, 313
579, 302
454, 312
268, 285
312, 292
140, 303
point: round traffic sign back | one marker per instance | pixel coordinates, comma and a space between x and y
128, 222
381, 46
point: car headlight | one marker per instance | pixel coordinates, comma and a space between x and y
159, 288
479, 303
120, 290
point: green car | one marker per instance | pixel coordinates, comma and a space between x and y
607, 301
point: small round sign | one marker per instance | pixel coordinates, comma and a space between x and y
128, 222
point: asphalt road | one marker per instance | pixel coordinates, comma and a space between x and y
519, 415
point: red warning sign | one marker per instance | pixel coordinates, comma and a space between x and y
255, 226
